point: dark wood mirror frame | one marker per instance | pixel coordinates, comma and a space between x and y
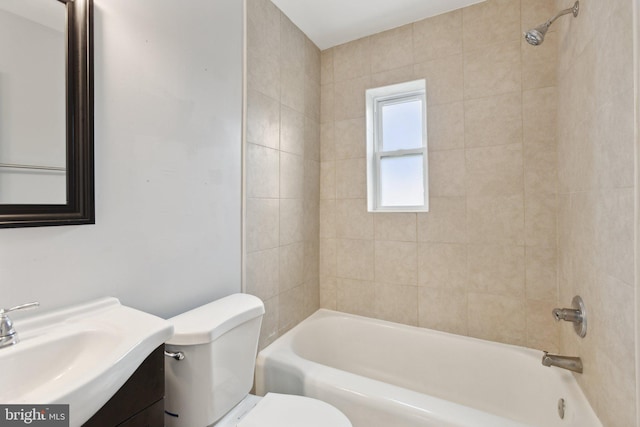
80, 206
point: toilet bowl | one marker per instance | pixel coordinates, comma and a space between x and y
208, 380
284, 410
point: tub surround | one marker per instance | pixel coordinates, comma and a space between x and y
596, 192
282, 169
485, 254
525, 213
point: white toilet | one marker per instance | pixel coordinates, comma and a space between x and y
211, 384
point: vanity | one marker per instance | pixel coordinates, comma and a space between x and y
103, 359
140, 401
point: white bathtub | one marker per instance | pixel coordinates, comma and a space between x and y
390, 375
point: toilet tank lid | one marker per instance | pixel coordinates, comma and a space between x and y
206, 323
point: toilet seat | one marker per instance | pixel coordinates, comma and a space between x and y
284, 410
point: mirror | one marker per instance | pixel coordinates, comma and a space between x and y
46, 113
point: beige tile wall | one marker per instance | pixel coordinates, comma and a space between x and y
282, 169
525, 213
596, 199
482, 262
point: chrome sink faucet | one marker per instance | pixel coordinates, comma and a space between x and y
8, 335
565, 362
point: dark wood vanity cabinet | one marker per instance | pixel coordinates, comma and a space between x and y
140, 401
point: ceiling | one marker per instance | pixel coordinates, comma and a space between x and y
51, 14
332, 22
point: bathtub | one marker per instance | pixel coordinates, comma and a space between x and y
383, 374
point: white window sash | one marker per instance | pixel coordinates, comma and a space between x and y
394, 154
376, 99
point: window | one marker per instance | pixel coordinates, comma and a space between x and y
397, 167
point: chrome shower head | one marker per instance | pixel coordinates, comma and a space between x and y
536, 35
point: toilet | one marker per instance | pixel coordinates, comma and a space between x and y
210, 385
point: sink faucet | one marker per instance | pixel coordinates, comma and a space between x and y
8, 335
565, 362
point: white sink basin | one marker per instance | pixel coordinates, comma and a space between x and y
80, 355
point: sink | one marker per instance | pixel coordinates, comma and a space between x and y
80, 355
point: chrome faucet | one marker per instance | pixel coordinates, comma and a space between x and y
567, 314
577, 314
8, 335
565, 362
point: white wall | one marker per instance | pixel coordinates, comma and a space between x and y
168, 112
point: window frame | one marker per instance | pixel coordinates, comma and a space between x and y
376, 99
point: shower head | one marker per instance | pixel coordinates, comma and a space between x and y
536, 35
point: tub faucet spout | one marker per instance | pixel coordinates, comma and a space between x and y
565, 362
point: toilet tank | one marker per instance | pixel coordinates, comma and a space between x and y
219, 341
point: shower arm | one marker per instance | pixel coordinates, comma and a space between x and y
574, 10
